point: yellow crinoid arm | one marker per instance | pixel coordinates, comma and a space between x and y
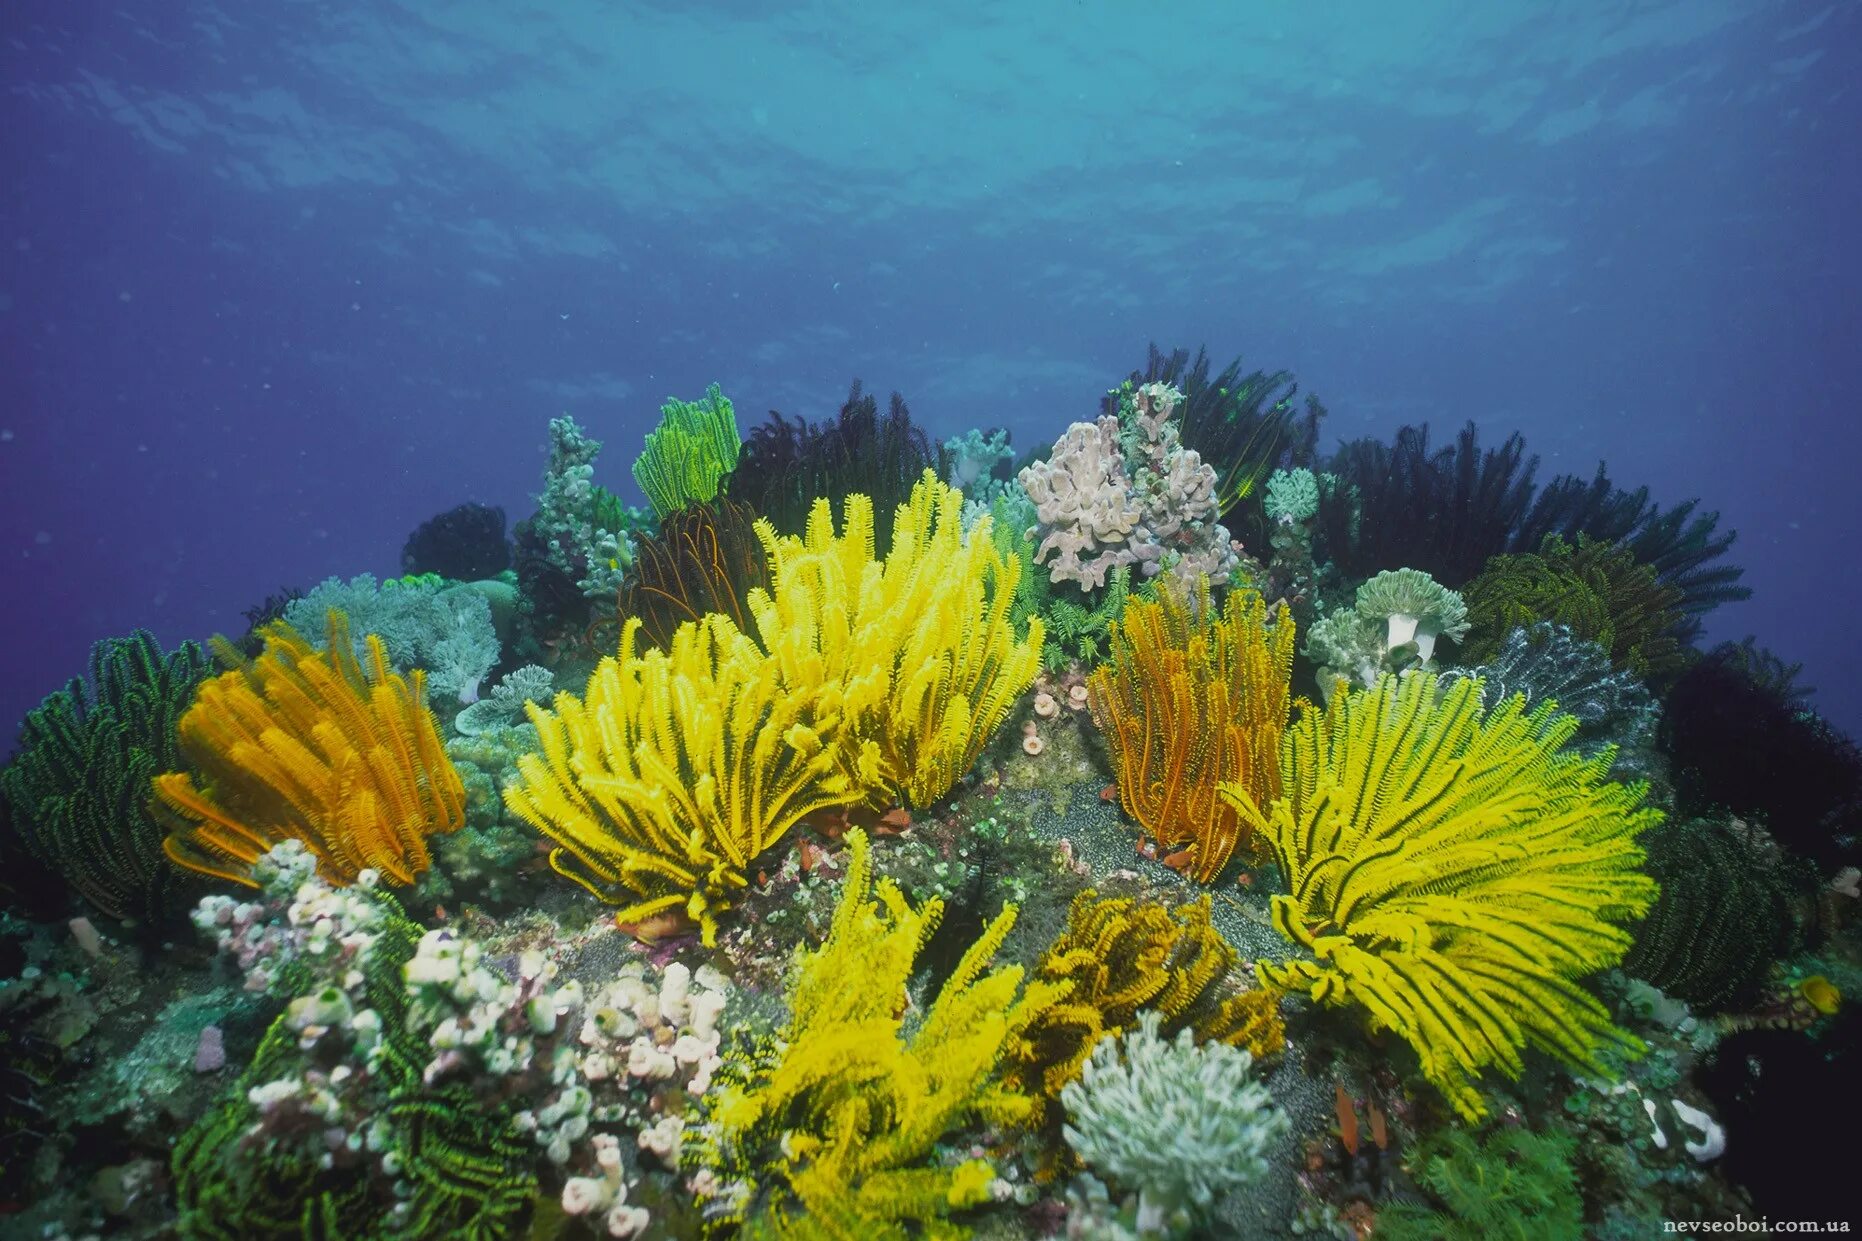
313, 746
916, 656
1455, 872
675, 770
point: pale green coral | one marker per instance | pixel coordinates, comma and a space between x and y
1292, 495
1181, 1125
1415, 608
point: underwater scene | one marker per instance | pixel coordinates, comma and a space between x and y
847, 623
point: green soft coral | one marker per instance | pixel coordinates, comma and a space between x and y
1414, 607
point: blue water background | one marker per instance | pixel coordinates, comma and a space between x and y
280, 280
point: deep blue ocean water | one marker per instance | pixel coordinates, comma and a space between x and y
280, 281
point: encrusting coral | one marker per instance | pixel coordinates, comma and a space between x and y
829, 1129
1454, 872
312, 746
1124, 957
1192, 698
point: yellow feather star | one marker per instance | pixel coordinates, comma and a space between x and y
1455, 873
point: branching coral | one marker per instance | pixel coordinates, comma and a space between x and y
1596, 589
837, 1119
1123, 491
691, 451
78, 789
1243, 425
1124, 957
301, 745
918, 650
705, 558
1183, 1125
677, 768
1455, 873
1193, 698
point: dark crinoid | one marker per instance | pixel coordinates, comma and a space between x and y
466, 543
1736, 741
705, 558
1242, 425
788, 464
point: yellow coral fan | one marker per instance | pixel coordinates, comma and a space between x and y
1454, 874
1123, 957
1191, 699
839, 1116
675, 770
302, 745
917, 652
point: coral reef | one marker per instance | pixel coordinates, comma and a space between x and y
1193, 698
1123, 491
692, 450
504, 706
1396, 807
314, 747
1391, 627
76, 792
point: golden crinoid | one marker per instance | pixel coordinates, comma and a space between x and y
675, 769
917, 650
299, 744
1191, 699
1455, 873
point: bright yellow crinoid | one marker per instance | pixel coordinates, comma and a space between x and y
1454, 872
918, 657
832, 1128
675, 769
304, 745
1192, 698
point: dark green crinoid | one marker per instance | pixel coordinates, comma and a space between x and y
1724, 915
1598, 590
77, 791
1508, 1182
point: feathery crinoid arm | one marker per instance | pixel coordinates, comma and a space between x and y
1455, 872
835, 1124
309, 745
917, 655
674, 771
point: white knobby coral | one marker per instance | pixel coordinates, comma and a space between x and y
1180, 1124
